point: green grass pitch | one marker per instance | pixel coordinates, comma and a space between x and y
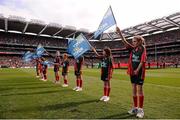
22, 95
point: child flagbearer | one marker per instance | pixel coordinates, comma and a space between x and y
38, 65
78, 73
57, 63
65, 69
136, 70
44, 69
106, 71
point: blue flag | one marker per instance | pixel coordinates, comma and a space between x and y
34, 56
40, 50
69, 42
107, 21
49, 63
27, 56
78, 46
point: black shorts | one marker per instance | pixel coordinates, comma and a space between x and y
44, 71
105, 77
56, 69
64, 73
77, 73
137, 80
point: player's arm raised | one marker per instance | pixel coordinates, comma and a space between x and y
49, 54
127, 44
95, 51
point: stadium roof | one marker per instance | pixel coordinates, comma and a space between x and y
37, 27
40, 28
160, 25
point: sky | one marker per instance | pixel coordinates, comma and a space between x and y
89, 13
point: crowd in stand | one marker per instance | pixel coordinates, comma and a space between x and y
16, 61
160, 38
13, 61
11, 38
165, 58
163, 37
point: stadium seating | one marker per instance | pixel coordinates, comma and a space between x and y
162, 47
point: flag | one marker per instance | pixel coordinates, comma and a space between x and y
69, 42
48, 63
78, 46
107, 21
35, 56
27, 56
40, 50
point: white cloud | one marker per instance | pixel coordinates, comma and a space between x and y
88, 13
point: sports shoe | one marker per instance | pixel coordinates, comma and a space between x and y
106, 99
57, 82
65, 85
75, 88
79, 89
140, 113
37, 76
102, 98
44, 79
133, 111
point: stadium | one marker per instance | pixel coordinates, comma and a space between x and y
25, 96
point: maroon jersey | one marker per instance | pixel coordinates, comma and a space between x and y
65, 66
57, 60
137, 56
78, 66
106, 67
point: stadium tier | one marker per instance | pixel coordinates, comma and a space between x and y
18, 36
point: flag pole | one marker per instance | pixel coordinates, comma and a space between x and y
101, 21
91, 37
113, 15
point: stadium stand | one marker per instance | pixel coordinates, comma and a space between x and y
18, 36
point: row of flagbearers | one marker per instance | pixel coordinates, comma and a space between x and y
41, 67
106, 69
77, 47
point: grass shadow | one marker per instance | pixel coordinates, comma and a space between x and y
120, 116
22, 84
4, 89
66, 105
36, 87
32, 93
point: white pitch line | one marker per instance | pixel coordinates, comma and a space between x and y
172, 87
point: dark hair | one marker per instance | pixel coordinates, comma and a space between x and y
107, 50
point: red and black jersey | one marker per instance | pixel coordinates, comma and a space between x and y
106, 67
137, 56
57, 60
65, 66
44, 67
78, 64
38, 63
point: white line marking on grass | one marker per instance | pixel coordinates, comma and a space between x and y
151, 84
172, 87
